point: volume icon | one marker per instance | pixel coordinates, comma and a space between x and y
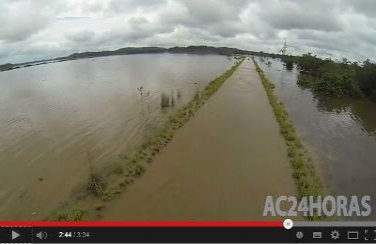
41, 235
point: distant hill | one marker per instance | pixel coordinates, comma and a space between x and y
138, 50
6, 66
121, 51
190, 50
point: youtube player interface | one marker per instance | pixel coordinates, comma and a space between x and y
187, 121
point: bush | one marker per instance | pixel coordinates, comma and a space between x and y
366, 76
337, 78
335, 84
310, 64
288, 62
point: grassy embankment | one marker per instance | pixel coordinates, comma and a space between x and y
106, 183
307, 179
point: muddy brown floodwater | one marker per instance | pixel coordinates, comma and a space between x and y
57, 120
220, 166
341, 132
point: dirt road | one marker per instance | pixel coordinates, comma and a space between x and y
220, 166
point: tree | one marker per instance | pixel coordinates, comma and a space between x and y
366, 77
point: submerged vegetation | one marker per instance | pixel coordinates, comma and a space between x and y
304, 172
169, 100
73, 215
96, 184
105, 184
165, 100
328, 77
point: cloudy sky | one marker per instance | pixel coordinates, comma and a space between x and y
38, 29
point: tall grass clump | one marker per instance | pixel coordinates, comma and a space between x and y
96, 184
165, 100
178, 94
172, 103
305, 175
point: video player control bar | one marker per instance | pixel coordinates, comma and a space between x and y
299, 232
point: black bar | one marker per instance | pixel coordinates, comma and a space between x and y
187, 235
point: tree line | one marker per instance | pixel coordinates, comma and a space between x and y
329, 77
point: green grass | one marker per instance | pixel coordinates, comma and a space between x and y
305, 175
113, 179
72, 215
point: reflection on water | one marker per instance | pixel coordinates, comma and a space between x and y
57, 120
362, 111
341, 132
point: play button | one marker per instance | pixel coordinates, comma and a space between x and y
15, 235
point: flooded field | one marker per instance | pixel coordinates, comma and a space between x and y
58, 120
340, 132
219, 166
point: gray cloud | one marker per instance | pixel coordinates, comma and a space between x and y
82, 36
129, 6
365, 7
47, 28
312, 15
16, 26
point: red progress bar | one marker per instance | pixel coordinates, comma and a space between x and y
141, 224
